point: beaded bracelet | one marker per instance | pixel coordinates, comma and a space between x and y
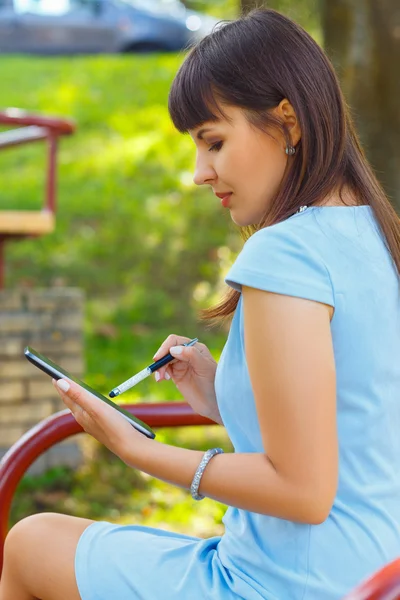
200, 470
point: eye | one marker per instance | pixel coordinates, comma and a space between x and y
215, 147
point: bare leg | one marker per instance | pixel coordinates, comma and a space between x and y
39, 557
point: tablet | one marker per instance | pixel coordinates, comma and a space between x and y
56, 372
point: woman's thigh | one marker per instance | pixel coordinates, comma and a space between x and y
40, 551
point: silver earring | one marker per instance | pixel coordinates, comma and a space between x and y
290, 150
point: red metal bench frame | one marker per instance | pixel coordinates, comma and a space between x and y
383, 585
62, 425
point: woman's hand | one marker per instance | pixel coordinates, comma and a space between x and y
97, 418
193, 373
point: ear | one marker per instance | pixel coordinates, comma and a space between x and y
286, 113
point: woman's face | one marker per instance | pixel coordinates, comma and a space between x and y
236, 158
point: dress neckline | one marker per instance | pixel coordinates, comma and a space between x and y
305, 207
342, 206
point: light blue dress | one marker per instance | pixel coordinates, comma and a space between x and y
333, 255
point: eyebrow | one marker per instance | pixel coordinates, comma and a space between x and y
200, 133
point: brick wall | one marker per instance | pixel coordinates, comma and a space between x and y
51, 321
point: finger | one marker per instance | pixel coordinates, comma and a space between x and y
172, 340
75, 409
77, 399
162, 374
61, 393
187, 354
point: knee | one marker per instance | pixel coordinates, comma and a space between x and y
25, 535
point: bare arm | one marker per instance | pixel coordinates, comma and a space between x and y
291, 365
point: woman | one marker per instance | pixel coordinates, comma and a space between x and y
308, 382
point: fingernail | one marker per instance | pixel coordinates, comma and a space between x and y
63, 385
176, 350
157, 376
167, 375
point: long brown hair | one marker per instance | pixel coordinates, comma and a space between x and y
253, 63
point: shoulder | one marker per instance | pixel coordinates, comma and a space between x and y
301, 237
285, 258
303, 229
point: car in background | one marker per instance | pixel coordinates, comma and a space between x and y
99, 26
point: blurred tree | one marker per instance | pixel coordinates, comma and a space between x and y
247, 5
305, 12
362, 38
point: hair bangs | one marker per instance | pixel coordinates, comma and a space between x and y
193, 98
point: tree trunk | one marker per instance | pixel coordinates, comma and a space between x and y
362, 38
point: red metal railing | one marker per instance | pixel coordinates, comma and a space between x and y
28, 128
62, 425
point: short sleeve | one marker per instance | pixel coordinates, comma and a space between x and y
279, 260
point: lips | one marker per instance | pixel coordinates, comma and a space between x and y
225, 196
222, 194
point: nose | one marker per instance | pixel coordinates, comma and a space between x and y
204, 172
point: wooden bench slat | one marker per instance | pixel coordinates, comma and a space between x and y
26, 222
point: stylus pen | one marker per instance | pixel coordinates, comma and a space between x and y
129, 383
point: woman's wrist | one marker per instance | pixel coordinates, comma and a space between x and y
214, 414
136, 446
